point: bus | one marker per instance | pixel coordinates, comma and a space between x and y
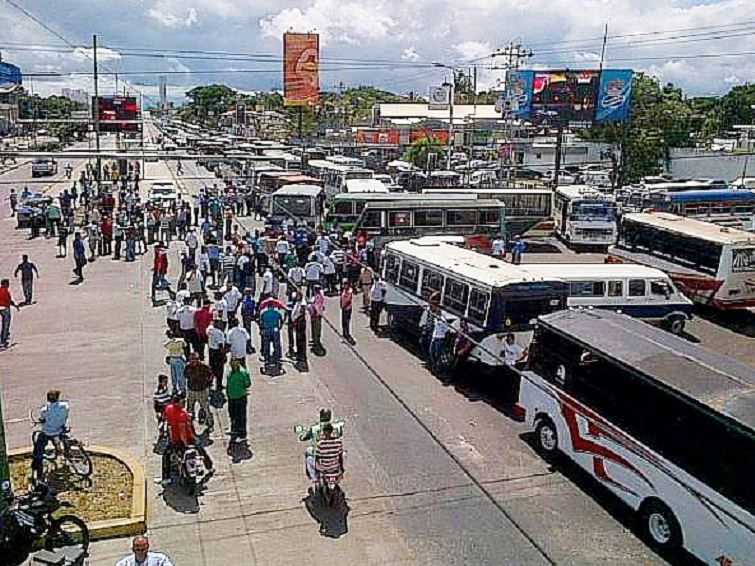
345, 208
666, 426
301, 203
583, 216
335, 175
734, 208
492, 295
271, 181
525, 208
712, 265
479, 221
347, 161
287, 161
371, 185
682, 186
636, 290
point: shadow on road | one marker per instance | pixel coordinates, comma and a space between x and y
177, 499
333, 520
740, 321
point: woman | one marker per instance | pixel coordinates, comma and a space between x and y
347, 299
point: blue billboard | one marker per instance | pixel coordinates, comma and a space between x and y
9, 74
614, 94
519, 86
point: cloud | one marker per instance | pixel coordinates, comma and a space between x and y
410, 54
103, 54
586, 56
173, 14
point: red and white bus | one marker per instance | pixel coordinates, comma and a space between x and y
711, 264
666, 426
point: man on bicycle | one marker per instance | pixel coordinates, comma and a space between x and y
53, 418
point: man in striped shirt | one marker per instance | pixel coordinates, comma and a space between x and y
227, 266
329, 452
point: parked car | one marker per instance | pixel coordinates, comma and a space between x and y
44, 167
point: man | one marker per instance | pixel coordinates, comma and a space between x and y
248, 313
267, 283
195, 283
186, 323
213, 253
517, 250
6, 302
237, 389
106, 228
377, 302
227, 266
282, 248
296, 278
142, 556
513, 353
329, 451
28, 270
316, 310
440, 329
232, 296
347, 303
313, 272
192, 243
79, 256
271, 322
175, 345
299, 324
216, 348
238, 340
314, 433
198, 381
202, 321
498, 247
159, 269
53, 417
180, 434
366, 278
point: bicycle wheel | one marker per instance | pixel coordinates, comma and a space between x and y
78, 458
49, 452
67, 530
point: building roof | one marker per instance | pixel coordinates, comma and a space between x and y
692, 227
422, 111
695, 372
473, 266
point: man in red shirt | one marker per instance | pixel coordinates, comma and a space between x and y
106, 227
202, 319
6, 302
159, 269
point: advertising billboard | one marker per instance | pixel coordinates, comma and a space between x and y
301, 69
568, 96
9, 74
118, 113
439, 98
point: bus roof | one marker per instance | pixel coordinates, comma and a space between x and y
691, 227
714, 381
471, 265
299, 190
467, 191
570, 271
366, 186
581, 191
403, 197
445, 203
710, 195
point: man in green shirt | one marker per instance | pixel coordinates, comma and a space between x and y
237, 389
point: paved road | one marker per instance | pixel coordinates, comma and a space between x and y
436, 474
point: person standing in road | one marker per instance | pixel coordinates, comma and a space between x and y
271, 322
347, 301
79, 256
175, 346
237, 390
299, 323
142, 556
6, 302
192, 243
159, 269
28, 271
217, 354
498, 248
199, 378
316, 310
517, 250
366, 278
185, 315
377, 302
238, 342
62, 241
202, 321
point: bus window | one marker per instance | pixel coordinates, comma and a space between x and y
462, 217
478, 306
661, 288
409, 276
343, 208
371, 219
455, 296
432, 282
636, 287
399, 219
392, 264
490, 217
428, 218
615, 289
587, 288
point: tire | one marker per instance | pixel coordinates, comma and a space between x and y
675, 325
78, 458
659, 526
546, 437
67, 530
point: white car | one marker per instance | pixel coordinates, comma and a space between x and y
163, 192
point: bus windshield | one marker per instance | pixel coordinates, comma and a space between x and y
292, 205
589, 209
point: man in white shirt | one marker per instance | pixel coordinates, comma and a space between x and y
329, 271
513, 353
142, 556
267, 282
237, 338
313, 272
323, 244
498, 247
195, 284
377, 301
440, 329
219, 311
185, 314
282, 248
182, 296
232, 296
216, 345
172, 318
192, 243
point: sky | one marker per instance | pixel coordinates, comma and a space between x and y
700, 45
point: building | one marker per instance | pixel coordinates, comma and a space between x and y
77, 95
10, 94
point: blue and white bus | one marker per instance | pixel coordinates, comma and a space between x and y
734, 208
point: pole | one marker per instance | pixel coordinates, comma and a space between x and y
451, 120
6, 492
96, 109
603, 50
559, 143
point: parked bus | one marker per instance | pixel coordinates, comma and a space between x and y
712, 265
479, 221
493, 296
348, 161
636, 290
682, 186
584, 216
335, 175
525, 208
730, 207
665, 425
365, 186
287, 161
345, 208
271, 181
302, 203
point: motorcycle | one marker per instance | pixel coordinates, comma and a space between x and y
28, 520
326, 481
192, 472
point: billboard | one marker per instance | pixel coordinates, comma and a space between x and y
301, 69
569, 96
439, 98
117, 113
9, 74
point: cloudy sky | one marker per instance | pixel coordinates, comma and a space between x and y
701, 45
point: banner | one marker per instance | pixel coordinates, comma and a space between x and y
301, 69
614, 94
9, 74
440, 97
519, 92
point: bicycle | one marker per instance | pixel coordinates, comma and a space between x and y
66, 447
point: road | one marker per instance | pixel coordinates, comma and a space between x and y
435, 474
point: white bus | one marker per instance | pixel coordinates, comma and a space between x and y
665, 425
494, 296
583, 216
335, 175
636, 290
712, 265
302, 203
365, 186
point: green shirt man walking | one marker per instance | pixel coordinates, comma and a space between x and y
237, 390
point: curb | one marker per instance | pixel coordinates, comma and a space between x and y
136, 523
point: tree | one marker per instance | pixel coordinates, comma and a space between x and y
419, 152
207, 103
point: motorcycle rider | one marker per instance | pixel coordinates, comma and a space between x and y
181, 434
53, 417
313, 434
69, 170
329, 454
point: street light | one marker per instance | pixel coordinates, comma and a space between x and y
438, 64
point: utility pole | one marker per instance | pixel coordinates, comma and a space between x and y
451, 120
96, 110
6, 492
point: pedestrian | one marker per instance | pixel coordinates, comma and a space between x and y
232, 297
237, 390
347, 299
159, 268
271, 322
237, 339
316, 310
313, 272
6, 302
172, 317
118, 236
440, 330
195, 284
248, 314
28, 271
106, 228
79, 256
498, 247
299, 323
282, 248
93, 239
192, 243
329, 272
517, 250
62, 241
176, 346
199, 378
366, 278
377, 302
217, 353
142, 556
185, 315
202, 321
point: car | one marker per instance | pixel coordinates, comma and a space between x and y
44, 167
32, 204
163, 192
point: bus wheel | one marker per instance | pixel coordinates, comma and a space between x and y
675, 325
659, 526
546, 436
